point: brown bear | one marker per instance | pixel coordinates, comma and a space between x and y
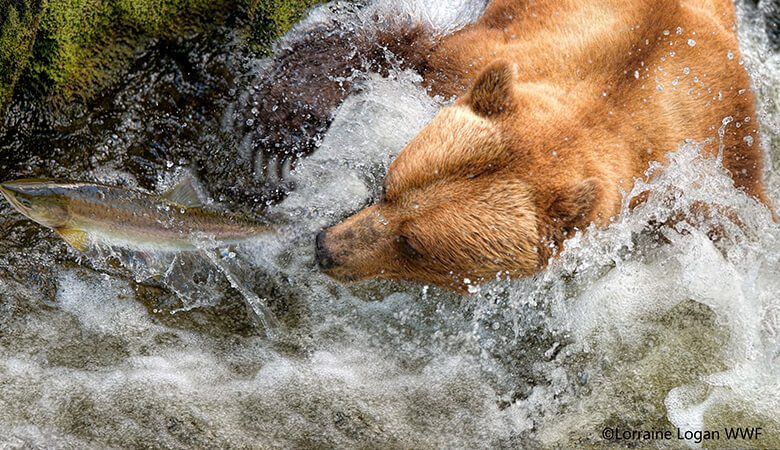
571, 102
564, 104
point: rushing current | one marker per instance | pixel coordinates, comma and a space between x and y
634, 328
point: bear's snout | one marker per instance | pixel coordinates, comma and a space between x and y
356, 248
321, 254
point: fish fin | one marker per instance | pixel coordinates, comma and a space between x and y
185, 194
75, 238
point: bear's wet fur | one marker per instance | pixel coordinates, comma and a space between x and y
562, 105
286, 114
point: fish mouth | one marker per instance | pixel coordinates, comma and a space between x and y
26, 187
8, 187
7, 190
12, 189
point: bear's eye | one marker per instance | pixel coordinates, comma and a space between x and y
407, 248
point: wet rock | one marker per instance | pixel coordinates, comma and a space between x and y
71, 50
19, 21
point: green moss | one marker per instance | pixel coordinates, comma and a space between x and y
272, 18
79, 41
72, 47
18, 25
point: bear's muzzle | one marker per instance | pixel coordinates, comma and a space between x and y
321, 254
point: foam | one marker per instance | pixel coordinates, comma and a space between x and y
440, 16
107, 307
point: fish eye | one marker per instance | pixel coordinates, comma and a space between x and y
406, 247
24, 202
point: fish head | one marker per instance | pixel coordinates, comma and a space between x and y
38, 200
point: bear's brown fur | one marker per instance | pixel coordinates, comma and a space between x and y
288, 110
567, 103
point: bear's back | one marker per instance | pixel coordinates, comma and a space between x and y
641, 77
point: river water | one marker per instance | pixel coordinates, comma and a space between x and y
631, 329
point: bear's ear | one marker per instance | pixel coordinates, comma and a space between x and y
492, 92
574, 206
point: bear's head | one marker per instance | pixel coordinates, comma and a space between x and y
454, 208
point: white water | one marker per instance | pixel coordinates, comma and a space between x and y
630, 328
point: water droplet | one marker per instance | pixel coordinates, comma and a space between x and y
730, 55
679, 30
666, 32
691, 42
636, 74
686, 70
748, 140
249, 122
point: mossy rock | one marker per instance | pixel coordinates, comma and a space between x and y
19, 22
66, 48
271, 18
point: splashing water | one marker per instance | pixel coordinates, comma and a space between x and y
637, 326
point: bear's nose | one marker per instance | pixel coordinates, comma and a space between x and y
322, 255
